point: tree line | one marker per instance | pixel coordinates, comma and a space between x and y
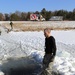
25, 16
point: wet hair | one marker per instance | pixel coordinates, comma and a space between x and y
47, 29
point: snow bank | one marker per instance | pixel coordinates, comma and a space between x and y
23, 44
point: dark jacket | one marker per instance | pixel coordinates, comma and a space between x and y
50, 45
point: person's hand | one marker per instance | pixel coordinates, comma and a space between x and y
52, 58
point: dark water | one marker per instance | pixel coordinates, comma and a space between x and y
28, 71
22, 66
23, 71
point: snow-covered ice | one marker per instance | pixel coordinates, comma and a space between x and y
22, 44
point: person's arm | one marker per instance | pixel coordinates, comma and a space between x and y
53, 46
45, 45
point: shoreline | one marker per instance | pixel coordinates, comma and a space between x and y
38, 26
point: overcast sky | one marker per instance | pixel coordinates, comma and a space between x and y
7, 6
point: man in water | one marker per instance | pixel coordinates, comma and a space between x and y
50, 52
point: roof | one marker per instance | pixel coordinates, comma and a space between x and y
56, 18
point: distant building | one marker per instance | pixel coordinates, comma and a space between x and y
36, 17
56, 18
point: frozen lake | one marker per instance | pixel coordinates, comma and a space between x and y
16, 45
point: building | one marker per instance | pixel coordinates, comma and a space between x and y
56, 18
36, 17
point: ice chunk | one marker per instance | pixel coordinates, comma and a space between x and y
1, 73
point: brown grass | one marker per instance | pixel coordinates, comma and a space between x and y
34, 26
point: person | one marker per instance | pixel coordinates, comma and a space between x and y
11, 25
50, 52
0, 32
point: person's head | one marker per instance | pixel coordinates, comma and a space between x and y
47, 32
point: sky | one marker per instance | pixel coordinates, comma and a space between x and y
9, 6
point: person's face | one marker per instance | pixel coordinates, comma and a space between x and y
46, 33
